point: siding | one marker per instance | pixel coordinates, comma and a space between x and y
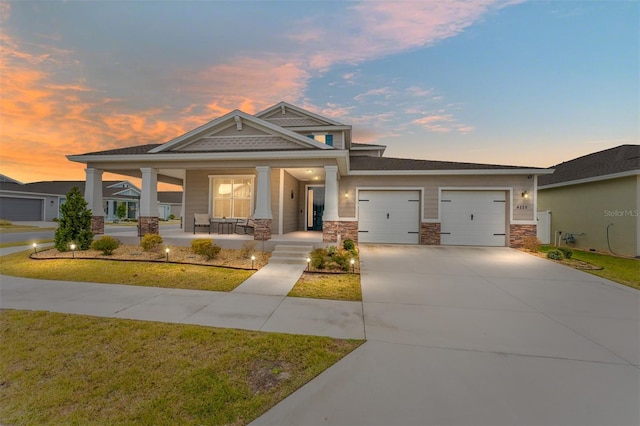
588, 208
431, 184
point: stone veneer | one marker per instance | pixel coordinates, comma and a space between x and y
262, 229
97, 225
346, 229
149, 225
430, 234
518, 233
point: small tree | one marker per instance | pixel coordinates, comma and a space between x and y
75, 223
121, 211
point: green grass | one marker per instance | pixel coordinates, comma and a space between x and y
25, 243
74, 369
619, 269
328, 286
166, 275
8, 229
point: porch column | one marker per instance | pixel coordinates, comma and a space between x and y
149, 202
262, 216
330, 218
93, 197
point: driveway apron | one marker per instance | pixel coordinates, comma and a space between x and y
482, 336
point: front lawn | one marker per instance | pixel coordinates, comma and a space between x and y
159, 274
26, 243
74, 369
619, 269
328, 286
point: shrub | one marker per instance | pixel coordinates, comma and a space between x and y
151, 242
319, 258
531, 244
555, 254
106, 245
342, 259
566, 252
5, 222
349, 245
172, 217
205, 247
74, 223
121, 211
248, 248
55, 219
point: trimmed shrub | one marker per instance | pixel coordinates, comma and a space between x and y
566, 252
319, 258
172, 217
555, 254
205, 247
5, 222
151, 242
349, 245
106, 245
342, 258
75, 222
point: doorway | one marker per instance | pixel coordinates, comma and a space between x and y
315, 207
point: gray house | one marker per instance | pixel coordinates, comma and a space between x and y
293, 170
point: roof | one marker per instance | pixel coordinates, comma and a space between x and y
4, 178
130, 150
388, 164
170, 197
613, 161
62, 187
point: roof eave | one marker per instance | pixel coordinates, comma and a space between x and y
451, 172
591, 179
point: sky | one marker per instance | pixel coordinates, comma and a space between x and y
529, 83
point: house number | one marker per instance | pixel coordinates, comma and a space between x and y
522, 207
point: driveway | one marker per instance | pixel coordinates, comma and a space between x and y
480, 336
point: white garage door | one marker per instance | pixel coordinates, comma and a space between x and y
473, 218
389, 217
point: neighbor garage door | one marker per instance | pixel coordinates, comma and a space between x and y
473, 218
27, 209
389, 217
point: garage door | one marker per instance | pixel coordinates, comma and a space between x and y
389, 217
473, 218
25, 209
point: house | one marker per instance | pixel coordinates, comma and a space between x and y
41, 201
594, 201
293, 170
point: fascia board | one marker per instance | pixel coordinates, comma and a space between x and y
591, 179
450, 172
318, 128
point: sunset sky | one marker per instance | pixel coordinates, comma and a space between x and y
509, 82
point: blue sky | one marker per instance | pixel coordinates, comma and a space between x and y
509, 82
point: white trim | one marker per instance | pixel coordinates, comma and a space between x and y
592, 179
299, 110
318, 128
450, 172
227, 176
281, 203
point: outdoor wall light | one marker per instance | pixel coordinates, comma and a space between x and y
292, 194
73, 251
253, 259
346, 194
525, 194
35, 248
353, 265
167, 253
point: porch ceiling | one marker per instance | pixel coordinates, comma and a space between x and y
307, 174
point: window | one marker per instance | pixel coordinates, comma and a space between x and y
322, 138
232, 196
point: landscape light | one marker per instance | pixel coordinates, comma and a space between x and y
253, 258
353, 265
73, 251
167, 253
308, 263
35, 248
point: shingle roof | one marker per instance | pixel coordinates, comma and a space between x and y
172, 197
130, 150
620, 159
62, 187
386, 163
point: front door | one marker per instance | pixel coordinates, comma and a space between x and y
315, 207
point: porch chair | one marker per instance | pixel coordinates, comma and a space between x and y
245, 225
201, 219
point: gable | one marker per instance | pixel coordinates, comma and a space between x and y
287, 115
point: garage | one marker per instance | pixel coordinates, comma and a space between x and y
473, 218
389, 217
25, 209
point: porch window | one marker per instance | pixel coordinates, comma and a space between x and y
232, 197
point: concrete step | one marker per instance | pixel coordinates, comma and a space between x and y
290, 254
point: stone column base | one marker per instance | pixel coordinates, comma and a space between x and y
262, 229
148, 225
519, 233
430, 234
348, 230
97, 225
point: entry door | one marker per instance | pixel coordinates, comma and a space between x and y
473, 218
315, 207
389, 217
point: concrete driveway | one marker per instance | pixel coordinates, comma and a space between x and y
480, 336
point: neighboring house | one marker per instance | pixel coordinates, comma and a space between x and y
169, 203
594, 201
41, 201
293, 170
